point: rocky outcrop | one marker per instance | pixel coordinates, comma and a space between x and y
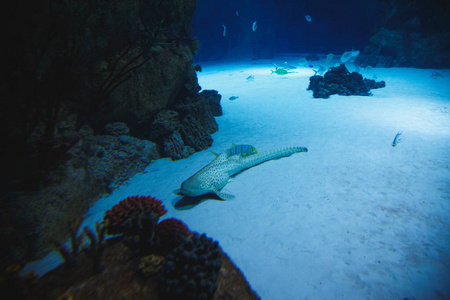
412, 34
188, 127
88, 79
213, 99
98, 163
147, 259
338, 80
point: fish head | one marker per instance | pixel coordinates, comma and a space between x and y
191, 187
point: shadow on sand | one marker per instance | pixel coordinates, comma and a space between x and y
186, 202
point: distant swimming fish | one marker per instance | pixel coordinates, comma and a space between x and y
232, 98
250, 78
237, 14
397, 139
436, 75
329, 58
347, 55
254, 26
224, 29
308, 18
280, 71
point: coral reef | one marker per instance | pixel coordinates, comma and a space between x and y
121, 277
338, 80
87, 79
188, 127
191, 270
194, 268
117, 129
170, 233
151, 264
213, 99
135, 215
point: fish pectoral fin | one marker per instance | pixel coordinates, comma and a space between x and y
222, 196
177, 191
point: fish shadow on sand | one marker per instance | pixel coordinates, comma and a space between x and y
186, 202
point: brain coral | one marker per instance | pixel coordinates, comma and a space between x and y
132, 213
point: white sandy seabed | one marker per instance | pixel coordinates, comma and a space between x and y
353, 218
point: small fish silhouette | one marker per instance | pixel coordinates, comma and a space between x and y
308, 18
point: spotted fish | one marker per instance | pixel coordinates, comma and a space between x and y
214, 176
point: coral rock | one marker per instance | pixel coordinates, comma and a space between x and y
117, 128
213, 98
165, 123
125, 217
175, 148
191, 271
171, 233
340, 81
194, 135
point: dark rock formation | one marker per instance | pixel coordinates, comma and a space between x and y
340, 81
187, 128
213, 98
117, 128
174, 263
118, 277
111, 160
412, 34
87, 79
98, 163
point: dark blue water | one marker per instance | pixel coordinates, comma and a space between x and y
334, 26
